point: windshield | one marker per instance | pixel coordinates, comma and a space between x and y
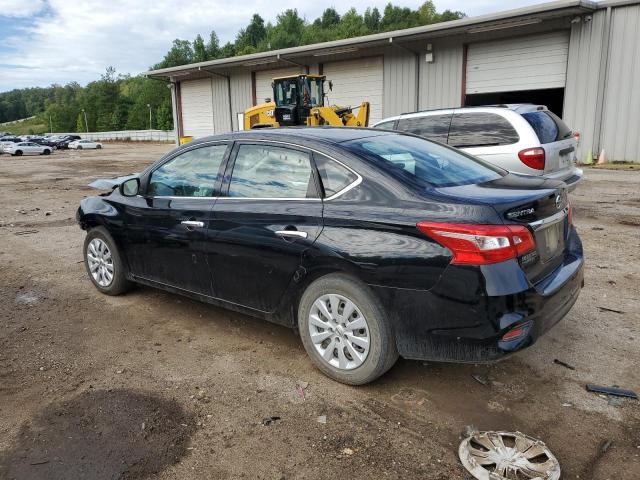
422, 162
310, 92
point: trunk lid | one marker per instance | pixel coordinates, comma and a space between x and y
538, 203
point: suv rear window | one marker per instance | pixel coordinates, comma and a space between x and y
421, 162
432, 127
481, 130
548, 126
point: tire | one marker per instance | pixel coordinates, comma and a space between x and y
118, 282
18, 153
382, 352
47, 152
79, 147
98, 147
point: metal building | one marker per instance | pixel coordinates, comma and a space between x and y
580, 58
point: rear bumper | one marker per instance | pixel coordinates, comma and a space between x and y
464, 317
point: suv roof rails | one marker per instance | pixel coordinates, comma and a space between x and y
500, 105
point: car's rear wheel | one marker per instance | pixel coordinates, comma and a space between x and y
104, 263
47, 152
98, 147
345, 331
79, 147
18, 153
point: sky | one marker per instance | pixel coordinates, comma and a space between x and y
57, 41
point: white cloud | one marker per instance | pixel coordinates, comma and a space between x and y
76, 41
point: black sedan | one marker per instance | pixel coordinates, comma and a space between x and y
372, 244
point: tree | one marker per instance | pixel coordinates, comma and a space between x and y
330, 18
213, 47
80, 123
251, 36
181, 53
199, 50
372, 19
288, 30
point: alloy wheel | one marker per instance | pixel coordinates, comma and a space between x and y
100, 262
339, 331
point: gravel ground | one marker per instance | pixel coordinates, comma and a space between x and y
155, 385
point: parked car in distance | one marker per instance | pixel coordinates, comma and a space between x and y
372, 243
49, 142
63, 142
27, 148
7, 141
84, 145
521, 138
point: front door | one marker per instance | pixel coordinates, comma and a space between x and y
167, 228
270, 215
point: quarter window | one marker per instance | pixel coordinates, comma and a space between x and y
191, 174
386, 125
432, 127
267, 171
334, 176
481, 130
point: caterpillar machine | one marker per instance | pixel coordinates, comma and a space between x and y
300, 100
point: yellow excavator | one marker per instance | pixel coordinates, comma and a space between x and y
299, 100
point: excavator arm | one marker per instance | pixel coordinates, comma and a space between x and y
340, 116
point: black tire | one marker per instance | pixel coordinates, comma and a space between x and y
382, 350
18, 153
98, 147
119, 284
79, 147
47, 152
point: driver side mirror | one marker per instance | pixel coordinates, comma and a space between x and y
130, 188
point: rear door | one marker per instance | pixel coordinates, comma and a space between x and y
269, 214
555, 137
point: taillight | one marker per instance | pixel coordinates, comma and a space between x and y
576, 135
480, 244
532, 157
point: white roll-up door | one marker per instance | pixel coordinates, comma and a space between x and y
197, 107
356, 81
533, 62
264, 79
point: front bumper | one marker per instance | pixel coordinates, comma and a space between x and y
465, 316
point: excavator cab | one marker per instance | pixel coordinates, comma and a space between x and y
295, 97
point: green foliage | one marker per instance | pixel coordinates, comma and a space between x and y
117, 102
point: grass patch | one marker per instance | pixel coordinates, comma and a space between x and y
33, 126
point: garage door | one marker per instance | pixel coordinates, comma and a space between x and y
197, 107
528, 63
264, 79
356, 81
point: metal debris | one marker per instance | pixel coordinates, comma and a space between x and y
507, 456
269, 421
615, 391
480, 378
564, 364
605, 309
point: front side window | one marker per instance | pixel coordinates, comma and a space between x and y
191, 174
481, 130
267, 171
286, 92
433, 127
423, 163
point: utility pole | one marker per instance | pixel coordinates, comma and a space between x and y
149, 107
86, 125
50, 124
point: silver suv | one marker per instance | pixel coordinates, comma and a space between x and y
521, 138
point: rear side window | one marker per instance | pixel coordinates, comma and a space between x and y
548, 126
267, 171
386, 125
433, 127
423, 163
481, 130
334, 177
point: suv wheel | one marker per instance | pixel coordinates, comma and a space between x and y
345, 331
103, 263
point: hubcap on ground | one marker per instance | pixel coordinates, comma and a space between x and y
100, 262
339, 331
508, 456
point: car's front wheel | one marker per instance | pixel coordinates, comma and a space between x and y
47, 152
18, 153
98, 147
345, 331
79, 147
104, 263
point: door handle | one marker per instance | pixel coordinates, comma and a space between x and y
192, 223
291, 233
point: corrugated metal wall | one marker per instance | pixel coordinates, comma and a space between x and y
399, 95
221, 116
581, 91
621, 116
240, 94
441, 81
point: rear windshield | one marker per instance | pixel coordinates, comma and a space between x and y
422, 162
548, 126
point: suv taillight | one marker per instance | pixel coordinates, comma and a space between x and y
576, 135
480, 244
532, 157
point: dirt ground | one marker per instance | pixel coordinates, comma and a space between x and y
155, 385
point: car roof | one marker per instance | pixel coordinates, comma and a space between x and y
494, 108
326, 135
